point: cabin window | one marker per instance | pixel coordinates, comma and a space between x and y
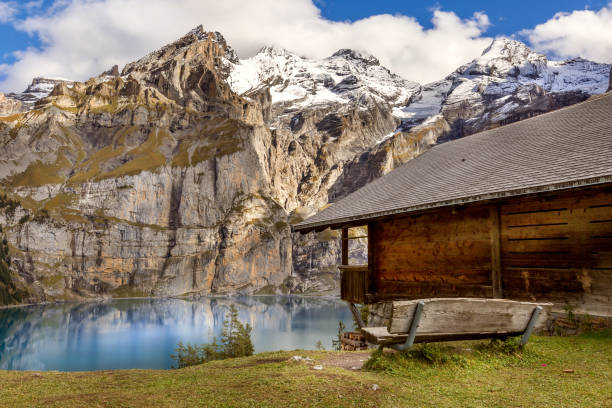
355, 246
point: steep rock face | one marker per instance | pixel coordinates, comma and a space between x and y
181, 173
152, 183
9, 106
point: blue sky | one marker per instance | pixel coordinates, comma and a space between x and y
82, 37
507, 17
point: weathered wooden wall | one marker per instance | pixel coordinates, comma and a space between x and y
442, 253
555, 247
558, 248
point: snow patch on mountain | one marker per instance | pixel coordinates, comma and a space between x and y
505, 77
491, 87
347, 76
40, 88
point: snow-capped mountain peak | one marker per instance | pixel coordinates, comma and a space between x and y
348, 53
510, 50
274, 51
40, 88
492, 88
506, 58
507, 82
346, 76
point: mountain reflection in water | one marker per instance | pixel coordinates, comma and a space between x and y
142, 333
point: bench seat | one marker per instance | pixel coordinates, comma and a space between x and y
381, 336
449, 319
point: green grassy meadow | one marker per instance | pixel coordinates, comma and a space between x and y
550, 372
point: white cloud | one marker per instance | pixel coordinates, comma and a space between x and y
81, 38
7, 11
33, 5
584, 33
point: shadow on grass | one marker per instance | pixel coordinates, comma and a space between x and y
457, 354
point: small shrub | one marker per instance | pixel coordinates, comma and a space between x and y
189, 355
8, 205
41, 216
508, 346
378, 362
319, 345
433, 354
569, 309
337, 342
429, 354
280, 226
586, 324
235, 342
24, 219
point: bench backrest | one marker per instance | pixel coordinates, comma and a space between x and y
457, 316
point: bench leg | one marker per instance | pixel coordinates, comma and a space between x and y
357, 315
418, 311
531, 325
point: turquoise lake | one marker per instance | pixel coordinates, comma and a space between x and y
142, 333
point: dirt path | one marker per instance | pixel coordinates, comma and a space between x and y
351, 360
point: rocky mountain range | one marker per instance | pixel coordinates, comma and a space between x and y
181, 173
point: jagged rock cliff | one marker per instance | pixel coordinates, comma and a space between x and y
8, 106
152, 183
182, 173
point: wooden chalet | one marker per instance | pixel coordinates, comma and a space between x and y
521, 212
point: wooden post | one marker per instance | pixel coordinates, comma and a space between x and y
371, 282
345, 242
496, 269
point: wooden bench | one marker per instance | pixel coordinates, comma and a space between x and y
447, 319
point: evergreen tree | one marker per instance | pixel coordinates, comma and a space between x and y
337, 342
236, 337
235, 342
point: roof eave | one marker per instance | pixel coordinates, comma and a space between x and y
306, 227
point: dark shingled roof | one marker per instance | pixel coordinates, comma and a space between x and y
567, 148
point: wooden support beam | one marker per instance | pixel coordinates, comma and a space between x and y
496, 267
345, 257
371, 280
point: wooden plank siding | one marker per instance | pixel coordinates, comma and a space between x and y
554, 247
353, 284
558, 247
442, 253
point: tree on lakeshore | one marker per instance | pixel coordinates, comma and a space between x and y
235, 342
236, 337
